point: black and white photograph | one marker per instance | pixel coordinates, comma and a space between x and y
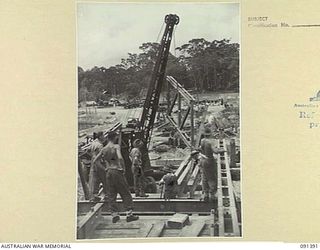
158, 120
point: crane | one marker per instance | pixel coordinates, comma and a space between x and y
150, 107
152, 100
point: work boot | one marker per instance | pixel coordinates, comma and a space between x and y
115, 219
132, 217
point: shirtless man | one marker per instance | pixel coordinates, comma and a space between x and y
115, 179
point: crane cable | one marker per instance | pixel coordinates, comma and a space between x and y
174, 41
157, 41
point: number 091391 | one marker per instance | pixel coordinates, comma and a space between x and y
304, 245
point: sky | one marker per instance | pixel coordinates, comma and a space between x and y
107, 32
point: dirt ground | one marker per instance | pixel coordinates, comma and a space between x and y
102, 119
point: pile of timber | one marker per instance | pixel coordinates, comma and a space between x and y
188, 175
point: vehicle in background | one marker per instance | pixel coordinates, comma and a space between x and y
132, 105
132, 123
114, 102
91, 104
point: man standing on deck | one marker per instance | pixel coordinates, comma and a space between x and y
208, 166
97, 171
137, 170
115, 179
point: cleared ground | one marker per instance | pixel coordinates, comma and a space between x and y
100, 119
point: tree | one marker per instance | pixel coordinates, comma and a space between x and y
200, 64
211, 65
133, 90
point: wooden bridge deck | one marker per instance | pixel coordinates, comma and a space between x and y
94, 220
151, 226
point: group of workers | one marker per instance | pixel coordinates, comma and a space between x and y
108, 168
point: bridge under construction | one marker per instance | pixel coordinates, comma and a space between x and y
186, 215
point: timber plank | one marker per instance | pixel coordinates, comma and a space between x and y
157, 230
182, 166
193, 175
147, 226
193, 230
178, 221
169, 232
88, 222
101, 234
156, 205
183, 179
145, 230
194, 180
185, 173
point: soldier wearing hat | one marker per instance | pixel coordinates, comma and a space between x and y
208, 166
115, 179
137, 170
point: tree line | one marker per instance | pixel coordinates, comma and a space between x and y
199, 65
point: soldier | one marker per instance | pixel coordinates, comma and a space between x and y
115, 178
169, 182
137, 170
208, 166
97, 171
